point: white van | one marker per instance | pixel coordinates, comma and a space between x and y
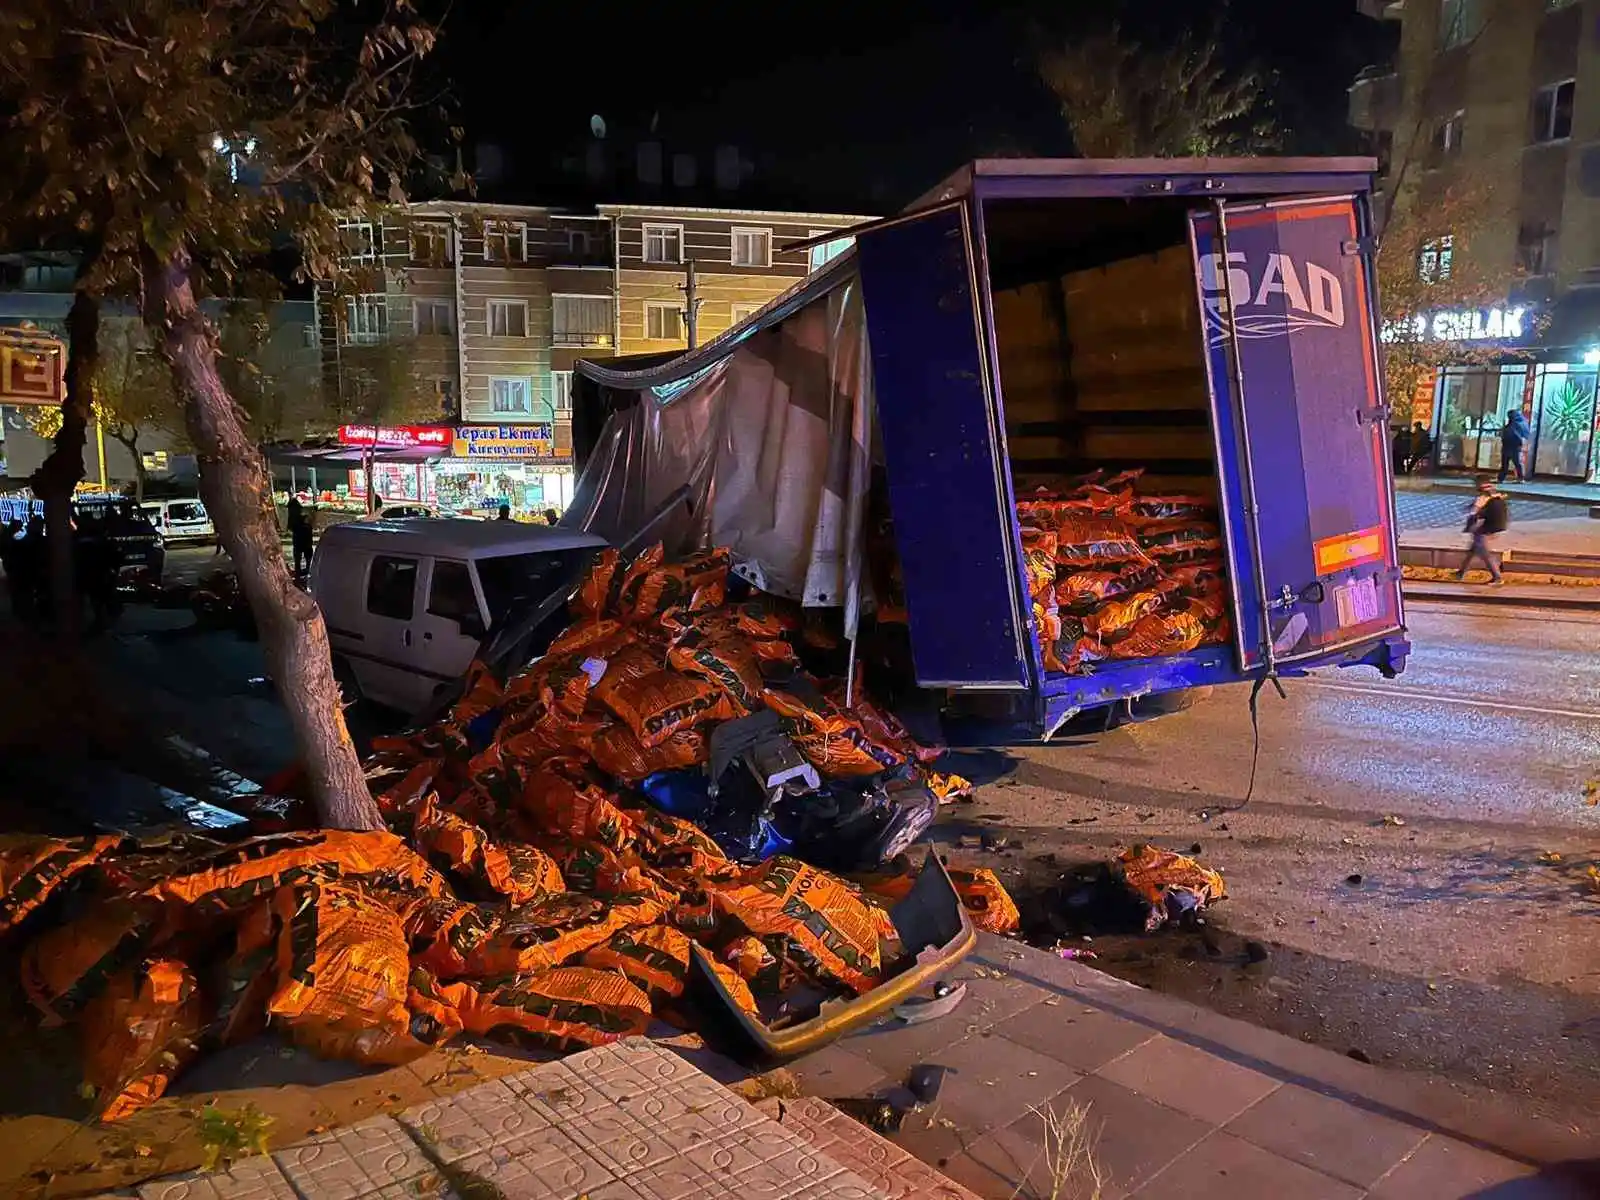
407, 603
180, 520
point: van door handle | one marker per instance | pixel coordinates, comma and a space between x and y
405, 637
427, 637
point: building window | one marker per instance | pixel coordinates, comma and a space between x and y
752, 247
1552, 112
1447, 135
826, 252
508, 318
431, 244
392, 587
743, 312
580, 242
581, 320
561, 391
663, 243
1435, 259
663, 321
505, 241
1535, 249
366, 320
435, 318
154, 460
1459, 22
511, 395
359, 242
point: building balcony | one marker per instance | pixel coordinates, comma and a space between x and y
1382, 10
579, 340
1375, 99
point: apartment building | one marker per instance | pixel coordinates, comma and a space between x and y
491, 305
741, 261
1504, 92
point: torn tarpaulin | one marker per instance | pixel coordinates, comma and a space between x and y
1171, 884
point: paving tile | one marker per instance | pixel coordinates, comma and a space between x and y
1086, 1039
250, 1179
1005, 1163
352, 1162
992, 1081
763, 1158
1327, 1135
1133, 1137
475, 1121
836, 1071
544, 1165
886, 1167
425, 1187
1223, 1167
1445, 1169
1179, 1076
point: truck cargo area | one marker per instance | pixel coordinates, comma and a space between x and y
1100, 354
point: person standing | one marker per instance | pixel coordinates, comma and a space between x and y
504, 514
1421, 447
1513, 437
1489, 516
300, 537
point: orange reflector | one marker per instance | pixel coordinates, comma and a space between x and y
1349, 550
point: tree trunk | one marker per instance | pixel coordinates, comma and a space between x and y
130, 443
237, 489
61, 472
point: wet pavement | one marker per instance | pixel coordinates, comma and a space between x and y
1414, 855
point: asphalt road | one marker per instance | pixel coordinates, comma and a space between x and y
1465, 947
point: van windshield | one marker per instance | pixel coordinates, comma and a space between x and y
510, 578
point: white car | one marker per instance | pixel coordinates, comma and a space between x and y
409, 602
180, 520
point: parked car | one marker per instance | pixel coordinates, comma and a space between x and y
138, 542
180, 520
409, 602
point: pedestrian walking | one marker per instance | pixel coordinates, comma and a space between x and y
1421, 447
1489, 516
504, 514
1513, 437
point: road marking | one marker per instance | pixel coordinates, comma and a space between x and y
1464, 701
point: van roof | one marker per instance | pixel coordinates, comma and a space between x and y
454, 538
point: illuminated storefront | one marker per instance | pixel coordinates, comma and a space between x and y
1551, 374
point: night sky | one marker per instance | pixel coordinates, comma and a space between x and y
862, 104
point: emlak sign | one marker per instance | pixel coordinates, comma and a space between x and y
1509, 324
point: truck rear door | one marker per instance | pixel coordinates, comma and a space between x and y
949, 492
1292, 353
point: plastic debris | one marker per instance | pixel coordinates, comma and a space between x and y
1173, 885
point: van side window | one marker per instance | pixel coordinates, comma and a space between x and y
392, 588
450, 595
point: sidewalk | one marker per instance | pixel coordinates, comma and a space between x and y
1186, 1103
630, 1121
1533, 595
1561, 493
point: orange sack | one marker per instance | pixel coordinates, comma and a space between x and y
827, 928
989, 906
229, 881
567, 1008
618, 753
595, 592
553, 805
554, 931
725, 661
241, 984
656, 959
518, 873
66, 967
675, 584
342, 975
33, 868
139, 1034
832, 741
663, 703
442, 933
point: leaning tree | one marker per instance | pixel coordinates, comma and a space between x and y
177, 146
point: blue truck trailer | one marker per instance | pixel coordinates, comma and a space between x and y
1212, 323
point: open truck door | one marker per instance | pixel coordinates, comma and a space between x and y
1287, 300
949, 489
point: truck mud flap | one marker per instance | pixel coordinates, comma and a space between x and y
936, 935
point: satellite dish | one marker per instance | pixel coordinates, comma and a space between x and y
597, 125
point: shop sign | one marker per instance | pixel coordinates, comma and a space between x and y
1464, 325
32, 372
401, 437
536, 440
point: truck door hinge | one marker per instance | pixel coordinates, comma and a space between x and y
1377, 415
1352, 247
1389, 575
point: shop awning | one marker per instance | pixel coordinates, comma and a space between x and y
347, 457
